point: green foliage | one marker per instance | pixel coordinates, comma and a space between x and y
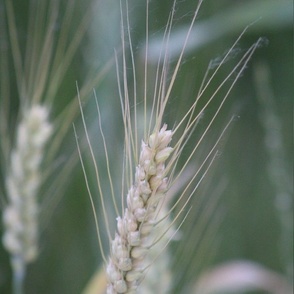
256, 215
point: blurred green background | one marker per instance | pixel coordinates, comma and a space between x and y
256, 158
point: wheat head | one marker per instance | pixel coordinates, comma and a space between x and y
152, 170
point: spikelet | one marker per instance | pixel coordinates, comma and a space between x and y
20, 216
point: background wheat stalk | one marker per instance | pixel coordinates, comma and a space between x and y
29, 160
20, 216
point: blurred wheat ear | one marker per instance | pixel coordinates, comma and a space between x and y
145, 216
20, 216
34, 119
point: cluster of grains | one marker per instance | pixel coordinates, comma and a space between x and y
22, 184
125, 269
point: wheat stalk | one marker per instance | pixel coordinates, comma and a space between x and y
24, 176
277, 167
157, 163
40, 63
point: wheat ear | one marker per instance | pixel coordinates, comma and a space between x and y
132, 240
20, 216
158, 165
